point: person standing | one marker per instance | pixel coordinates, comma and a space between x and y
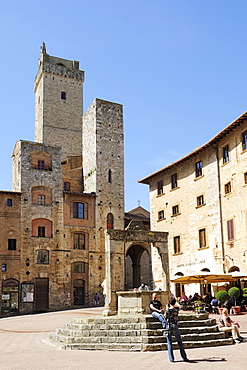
184, 301
103, 286
157, 310
171, 315
96, 299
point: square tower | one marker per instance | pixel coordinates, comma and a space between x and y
103, 161
58, 103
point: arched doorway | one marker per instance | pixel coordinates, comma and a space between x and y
138, 267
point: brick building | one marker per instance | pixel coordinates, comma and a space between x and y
201, 201
67, 190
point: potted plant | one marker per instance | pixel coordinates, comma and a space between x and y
234, 292
244, 302
222, 296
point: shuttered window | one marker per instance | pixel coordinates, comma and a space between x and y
176, 244
202, 238
230, 230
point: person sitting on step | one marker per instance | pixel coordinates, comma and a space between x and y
227, 325
156, 309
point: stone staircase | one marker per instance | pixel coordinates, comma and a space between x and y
138, 333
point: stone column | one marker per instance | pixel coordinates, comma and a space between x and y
114, 267
163, 253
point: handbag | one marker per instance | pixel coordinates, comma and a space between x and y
168, 327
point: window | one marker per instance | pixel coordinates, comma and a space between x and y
174, 182
78, 210
66, 186
245, 177
199, 169
63, 95
110, 176
41, 231
12, 244
110, 221
41, 195
200, 200
42, 227
161, 215
202, 238
226, 154
228, 188
230, 230
41, 160
41, 199
79, 241
244, 140
176, 244
160, 187
42, 257
79, 267
4, 267
9, 202
41, 165
175, 210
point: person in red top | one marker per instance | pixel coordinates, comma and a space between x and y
184, 301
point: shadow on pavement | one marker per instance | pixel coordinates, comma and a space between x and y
209, 359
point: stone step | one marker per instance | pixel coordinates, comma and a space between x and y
132, 338
132, 333
154, 324
138, 346
138, 333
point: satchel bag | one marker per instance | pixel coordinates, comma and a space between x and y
168, 328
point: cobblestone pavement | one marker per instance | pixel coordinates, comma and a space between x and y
22, 347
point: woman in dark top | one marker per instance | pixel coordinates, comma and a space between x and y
171, 316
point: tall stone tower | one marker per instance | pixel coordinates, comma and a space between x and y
103, 161
58, 103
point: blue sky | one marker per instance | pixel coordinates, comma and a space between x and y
179, 67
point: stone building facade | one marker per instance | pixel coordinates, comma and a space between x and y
68, 192
201, 201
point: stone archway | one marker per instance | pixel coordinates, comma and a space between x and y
115, 243
138, 267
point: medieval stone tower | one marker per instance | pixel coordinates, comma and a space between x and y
58, 103
103, 161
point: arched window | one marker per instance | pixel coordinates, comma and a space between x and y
42, 227
79, 267
41, 195
41, 160
110, 221
63, 95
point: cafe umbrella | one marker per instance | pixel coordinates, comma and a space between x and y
203, 278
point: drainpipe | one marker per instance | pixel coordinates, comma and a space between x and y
220, 208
